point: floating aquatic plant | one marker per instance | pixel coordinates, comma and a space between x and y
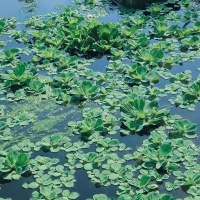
137, 113
13, 165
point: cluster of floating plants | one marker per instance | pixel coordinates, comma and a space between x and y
68, 117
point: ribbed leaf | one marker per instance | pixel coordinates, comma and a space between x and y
19, 70
164, 150
22, 160
144, 181
100, 197
12, 156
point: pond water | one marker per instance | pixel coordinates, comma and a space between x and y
78, 100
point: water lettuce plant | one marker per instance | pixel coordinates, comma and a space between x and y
65, 80
10, 56
187, 179
47, 193
107, 145
19, 76
150, 56
36, 87
138, 113
13, 165
53, 143
188, 98
88, 126
65, 62
184, 128
61, 96
156, 8
191, 43
85, 90
140, 74
161, 28
91, 161
94, 37
139, 20
17, 96
159, 158
2, 26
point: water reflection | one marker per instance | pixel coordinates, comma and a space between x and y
29, 6
27, 1
136, 3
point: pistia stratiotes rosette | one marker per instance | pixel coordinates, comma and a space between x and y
13, 165
19, 76
138, 113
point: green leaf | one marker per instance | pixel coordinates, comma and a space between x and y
151, 153
103, 178
153, 196
55, 139
20, 70
22, 160
88, 166
164, 151
113, 176
100, 197
12, 156
2, 125
18, 169
166, 197
91, 156
114, 142
144, 181
126, 197
98, 123
115, 167
33, 185
73, 195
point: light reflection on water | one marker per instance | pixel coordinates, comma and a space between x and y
16, 8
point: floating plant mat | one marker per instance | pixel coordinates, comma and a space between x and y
96, 108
